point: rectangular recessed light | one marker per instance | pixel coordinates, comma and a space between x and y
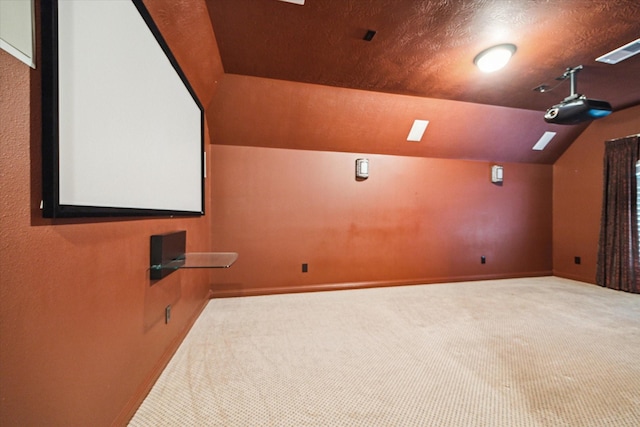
417, 130
621, 53
543, 141
300, 2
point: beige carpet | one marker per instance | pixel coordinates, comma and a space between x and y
518, 352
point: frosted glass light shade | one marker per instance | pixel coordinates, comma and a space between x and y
494, 58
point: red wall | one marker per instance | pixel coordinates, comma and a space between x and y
577, 195
81, 326
261, 112
414, 220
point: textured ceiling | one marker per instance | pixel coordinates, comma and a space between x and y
426, 48
420, 59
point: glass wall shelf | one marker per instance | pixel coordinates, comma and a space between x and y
168, 255
200, 260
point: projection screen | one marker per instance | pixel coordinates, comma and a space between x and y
122, 127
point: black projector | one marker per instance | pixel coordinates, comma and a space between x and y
577, 110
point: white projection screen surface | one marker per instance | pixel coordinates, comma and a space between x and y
122, 128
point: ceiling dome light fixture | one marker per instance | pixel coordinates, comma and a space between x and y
495, 57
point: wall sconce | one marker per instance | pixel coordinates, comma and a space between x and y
497, 173
362, 169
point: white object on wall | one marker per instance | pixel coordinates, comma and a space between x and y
497, 173
417, 130
362, 168
16, 29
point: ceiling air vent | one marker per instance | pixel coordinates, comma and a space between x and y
543, 141
621, 53
417, 130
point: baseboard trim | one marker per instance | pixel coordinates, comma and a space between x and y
129, 410
370, 284
574, 277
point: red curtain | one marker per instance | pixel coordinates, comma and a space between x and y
618, 252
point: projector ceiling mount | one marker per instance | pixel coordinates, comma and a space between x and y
575, 108
571, 73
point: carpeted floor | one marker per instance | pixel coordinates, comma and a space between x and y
517, 352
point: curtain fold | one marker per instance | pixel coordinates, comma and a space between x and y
618, 252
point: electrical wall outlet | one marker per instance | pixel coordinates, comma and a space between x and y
483, 260
305, 268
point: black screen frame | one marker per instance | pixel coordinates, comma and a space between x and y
51, 206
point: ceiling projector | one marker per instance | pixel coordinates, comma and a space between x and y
576, 108
580, 109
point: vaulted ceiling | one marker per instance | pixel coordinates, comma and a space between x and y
423, 51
